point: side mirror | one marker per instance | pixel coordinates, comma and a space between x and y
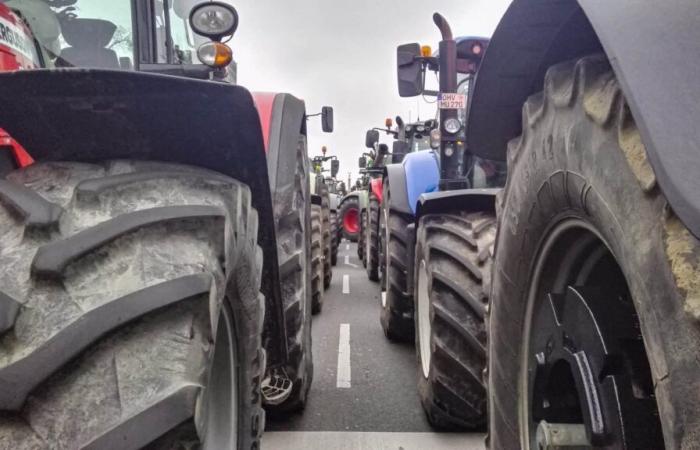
327, 119
409, 70
371, 138
335, 167
362, 162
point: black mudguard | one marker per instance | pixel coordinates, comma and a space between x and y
96, 115
395, 175
652, 47
469, 200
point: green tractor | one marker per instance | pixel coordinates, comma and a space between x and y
321, 227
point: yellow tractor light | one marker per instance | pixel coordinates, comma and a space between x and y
215, 54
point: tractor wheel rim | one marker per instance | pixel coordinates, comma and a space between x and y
221, 393
424, 325
579, 308
350, 221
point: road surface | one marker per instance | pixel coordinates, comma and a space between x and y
363, 394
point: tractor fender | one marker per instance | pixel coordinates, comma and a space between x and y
395, 176
419, 173
353, 194
376, 186
657, 74
92, 115
469, 200
335, 202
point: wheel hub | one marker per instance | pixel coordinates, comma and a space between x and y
350, 221
586, 365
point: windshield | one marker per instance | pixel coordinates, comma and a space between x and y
100, 34
420, 142
83, 33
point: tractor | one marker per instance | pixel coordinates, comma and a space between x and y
321, 227
408, 138
582, 302
337, 192
443, 258
156, 275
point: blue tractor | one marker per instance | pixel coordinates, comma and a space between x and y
583, 310
426, 253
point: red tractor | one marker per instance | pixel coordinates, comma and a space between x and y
155, 281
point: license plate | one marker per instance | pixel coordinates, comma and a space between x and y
452, 101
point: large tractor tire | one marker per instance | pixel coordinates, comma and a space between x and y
453, 273
327, 240
349, 218
594, 301
316, 259
292, 201
335, 238
396, 314
371, 238
131, 310
361, 240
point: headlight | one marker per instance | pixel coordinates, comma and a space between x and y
435, 138
214, 20
452, 125
420, 128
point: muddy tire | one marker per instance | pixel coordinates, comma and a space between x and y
316, 259
452, 273
335, 238
361, 240
327, 240
372, 238
129, 291
292, 202
396, 314
349, 216
581, 163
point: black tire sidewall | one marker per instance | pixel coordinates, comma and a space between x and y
575, 163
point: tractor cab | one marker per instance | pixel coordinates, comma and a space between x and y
176, 37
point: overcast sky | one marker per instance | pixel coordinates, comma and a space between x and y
343, 54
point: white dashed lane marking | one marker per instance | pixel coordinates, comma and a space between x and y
343, 375
346, 284
358, 440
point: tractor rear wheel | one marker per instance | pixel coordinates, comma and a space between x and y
316, 259
453, 272
595, 296
335, 238
292, 202
349, 218
372, 238
396, 316
131, 317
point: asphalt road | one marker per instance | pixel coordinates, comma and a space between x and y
363, 394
